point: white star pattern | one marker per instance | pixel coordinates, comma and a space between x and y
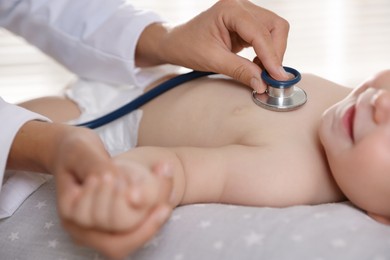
41, 204
320, 215
218, 245
338, 243
354, 228
154, 242
175, 217
286, 220
204, 224
253, 238
53, 243
247, 216
48, 225
14, 236
249, 237
296, 238
179, 257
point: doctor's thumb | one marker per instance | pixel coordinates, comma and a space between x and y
243, 70
275, 71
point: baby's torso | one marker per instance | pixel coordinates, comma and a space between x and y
218, 112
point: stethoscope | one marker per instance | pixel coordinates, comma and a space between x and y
279, 96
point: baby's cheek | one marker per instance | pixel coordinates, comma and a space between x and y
341, 171
369, 188
349, 176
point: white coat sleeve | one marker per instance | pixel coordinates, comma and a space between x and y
12, 118
15, 188
95, 39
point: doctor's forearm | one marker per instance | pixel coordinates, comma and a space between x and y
162, 43
32, 147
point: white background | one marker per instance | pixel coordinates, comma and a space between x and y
345, 41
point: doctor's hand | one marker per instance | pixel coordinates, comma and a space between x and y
104, 216
210, 41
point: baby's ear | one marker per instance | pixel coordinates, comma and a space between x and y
380, 218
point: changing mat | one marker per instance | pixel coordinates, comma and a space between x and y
210, 232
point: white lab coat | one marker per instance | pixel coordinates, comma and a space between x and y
95, 39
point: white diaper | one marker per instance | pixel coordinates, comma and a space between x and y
96, 99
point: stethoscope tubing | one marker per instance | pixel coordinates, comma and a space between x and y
268, 102
143, 99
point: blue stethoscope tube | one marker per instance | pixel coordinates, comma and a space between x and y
268, 100
143, 99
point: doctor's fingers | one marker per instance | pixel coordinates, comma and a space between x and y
123, 217
241, 69
254, 26
68, 192
102, 200
110, 210
103, 205
262, 29
83, 207
119, 245
92, 207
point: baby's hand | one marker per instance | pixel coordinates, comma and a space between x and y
120, 202
147, 188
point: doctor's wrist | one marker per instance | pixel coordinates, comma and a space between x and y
150, 50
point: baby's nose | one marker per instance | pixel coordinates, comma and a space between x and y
381, 103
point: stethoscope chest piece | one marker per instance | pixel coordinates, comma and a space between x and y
281, 95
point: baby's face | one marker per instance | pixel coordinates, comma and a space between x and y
356, 136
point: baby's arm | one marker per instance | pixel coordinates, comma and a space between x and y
229, 174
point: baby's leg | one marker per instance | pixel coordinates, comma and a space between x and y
57, 109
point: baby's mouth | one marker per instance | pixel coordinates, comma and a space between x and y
348, 120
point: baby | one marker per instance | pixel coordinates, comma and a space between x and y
219, 147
